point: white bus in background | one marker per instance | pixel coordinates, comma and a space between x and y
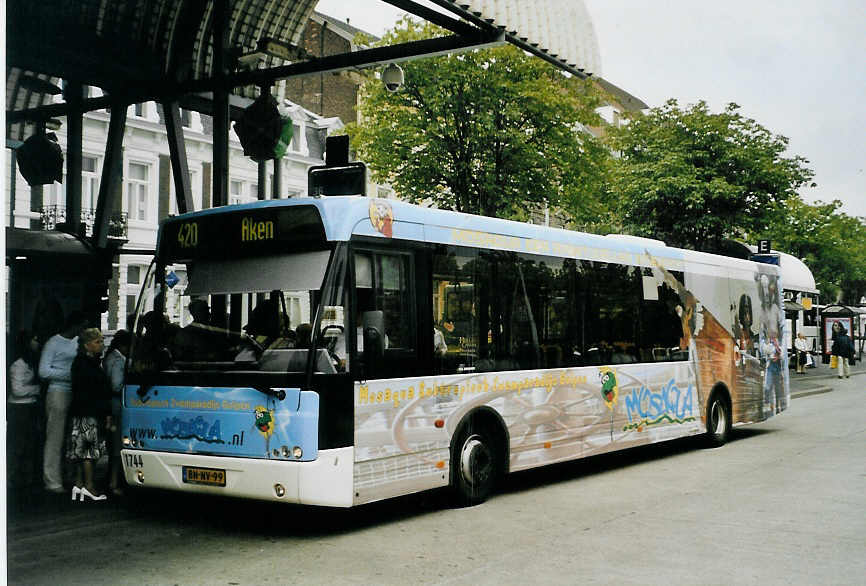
801, 302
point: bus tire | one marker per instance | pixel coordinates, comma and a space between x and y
474, 464
718, 419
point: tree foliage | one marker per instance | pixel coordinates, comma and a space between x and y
693, 178
831, 243
489, 131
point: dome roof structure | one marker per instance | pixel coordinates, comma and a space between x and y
559, 28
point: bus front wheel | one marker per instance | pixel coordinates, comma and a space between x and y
474, 465
718, 420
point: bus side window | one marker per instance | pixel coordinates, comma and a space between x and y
384, 290
455, 319
661, 325
612, 314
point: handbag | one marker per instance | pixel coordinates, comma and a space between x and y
834, 361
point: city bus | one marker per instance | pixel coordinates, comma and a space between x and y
293, 350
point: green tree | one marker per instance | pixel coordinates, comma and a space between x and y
831, 243
491, 131
694, 178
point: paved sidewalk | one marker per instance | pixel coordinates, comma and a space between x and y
819, 379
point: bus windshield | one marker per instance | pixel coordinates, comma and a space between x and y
241, 314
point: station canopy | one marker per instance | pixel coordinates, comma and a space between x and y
142, 50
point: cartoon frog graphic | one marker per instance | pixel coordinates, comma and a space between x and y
264, 420
609, 386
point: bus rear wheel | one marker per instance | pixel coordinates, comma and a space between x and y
718, 420
474, 466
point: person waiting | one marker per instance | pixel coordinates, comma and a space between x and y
90, 414
114, 364
23, 419
55, 368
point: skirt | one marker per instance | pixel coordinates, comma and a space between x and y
86, 440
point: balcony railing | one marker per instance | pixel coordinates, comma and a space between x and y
118, 223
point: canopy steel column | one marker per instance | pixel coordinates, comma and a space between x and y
221, 105
73, 93
277, 187
262, 179
112, 173
177, 151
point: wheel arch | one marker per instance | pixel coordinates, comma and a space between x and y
722, 389
489, 419
717, 433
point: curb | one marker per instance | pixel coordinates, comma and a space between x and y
810, 392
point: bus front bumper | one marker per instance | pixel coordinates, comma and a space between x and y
327, 481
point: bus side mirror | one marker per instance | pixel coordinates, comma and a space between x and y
373, 326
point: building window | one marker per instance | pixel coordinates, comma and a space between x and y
138, 110
89, 182
55, 193
254, 191
136, 191
133, 275
296, 138
236, 192
185, 118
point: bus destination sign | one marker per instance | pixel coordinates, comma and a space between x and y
241, 233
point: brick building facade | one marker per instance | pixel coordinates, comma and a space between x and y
328, 94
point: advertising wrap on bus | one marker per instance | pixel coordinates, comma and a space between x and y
224, 421
338, 351
404, 428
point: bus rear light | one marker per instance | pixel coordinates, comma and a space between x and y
439, 423
297, 452
548, 445
440, 464
279, 490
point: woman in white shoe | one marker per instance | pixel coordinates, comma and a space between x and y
90, 414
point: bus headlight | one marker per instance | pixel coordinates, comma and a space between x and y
297, 452
285, 451
279, 490
139, 475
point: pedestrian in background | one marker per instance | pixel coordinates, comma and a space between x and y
802, 349
843, 349
23, 419
114, 365
55, 369
90, 414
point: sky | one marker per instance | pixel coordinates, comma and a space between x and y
797, 67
